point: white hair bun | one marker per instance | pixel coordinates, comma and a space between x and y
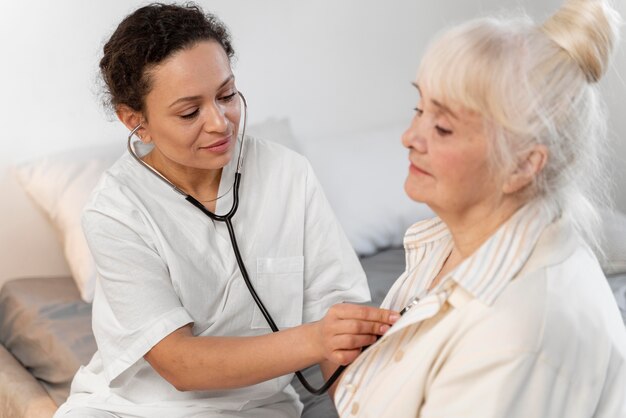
587, 30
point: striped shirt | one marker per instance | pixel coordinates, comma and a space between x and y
525, 327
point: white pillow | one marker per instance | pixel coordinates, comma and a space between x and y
275, 130
363, 176
613, 260
61, 184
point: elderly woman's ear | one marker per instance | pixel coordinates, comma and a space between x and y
527, 169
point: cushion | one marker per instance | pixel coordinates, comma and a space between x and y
47, 328
21, 395
275, 130
363, 176
60, 185
618, 286
613, 260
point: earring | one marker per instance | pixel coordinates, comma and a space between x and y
141, 138
136, 133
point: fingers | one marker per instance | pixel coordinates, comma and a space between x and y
347, 328
355, 326
365, 313
347, 318
348, 347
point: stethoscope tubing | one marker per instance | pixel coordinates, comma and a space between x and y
227, 219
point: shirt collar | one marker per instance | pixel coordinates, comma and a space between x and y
486, 273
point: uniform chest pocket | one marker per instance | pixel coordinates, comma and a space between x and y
280, 285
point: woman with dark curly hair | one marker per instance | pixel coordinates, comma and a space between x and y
178, 334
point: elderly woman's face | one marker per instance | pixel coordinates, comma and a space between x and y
193, 109
448, 153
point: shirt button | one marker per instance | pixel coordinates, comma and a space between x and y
351, 387
355, 408
398, 356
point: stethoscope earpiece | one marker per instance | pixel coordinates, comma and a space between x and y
134, 131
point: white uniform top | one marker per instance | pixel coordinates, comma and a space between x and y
525, 327
162, 264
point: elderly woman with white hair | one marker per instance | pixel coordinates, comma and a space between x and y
506, 312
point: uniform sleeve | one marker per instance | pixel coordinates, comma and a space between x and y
504, 385
333, 273
135, 304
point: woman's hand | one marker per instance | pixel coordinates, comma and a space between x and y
347, 328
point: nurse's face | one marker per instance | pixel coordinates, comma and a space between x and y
193, 109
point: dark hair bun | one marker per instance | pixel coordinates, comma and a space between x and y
147, 37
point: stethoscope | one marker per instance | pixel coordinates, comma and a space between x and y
227, 219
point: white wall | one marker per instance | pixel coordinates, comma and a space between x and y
614, 90
330, 66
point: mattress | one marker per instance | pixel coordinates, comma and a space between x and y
20, 393
46, 330
618, 285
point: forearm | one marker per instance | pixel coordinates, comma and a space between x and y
210, 363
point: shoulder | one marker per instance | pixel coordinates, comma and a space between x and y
577, 303
581, 310
561, 311
119, 194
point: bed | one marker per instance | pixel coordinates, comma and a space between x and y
45, 329
45, 315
